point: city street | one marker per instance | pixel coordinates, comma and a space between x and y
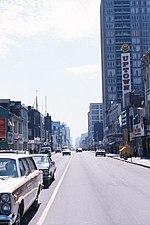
91, 190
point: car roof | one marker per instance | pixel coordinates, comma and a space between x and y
14, 156
8, 151
40, 155
44, 147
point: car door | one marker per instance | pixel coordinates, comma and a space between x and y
35, 176
28, 183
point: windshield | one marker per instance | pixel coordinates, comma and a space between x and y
8, 168
41, 159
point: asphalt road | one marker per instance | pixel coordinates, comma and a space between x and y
91, 190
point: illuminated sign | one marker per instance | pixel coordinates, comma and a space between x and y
126, 74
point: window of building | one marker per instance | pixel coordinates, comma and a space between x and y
94, 107
15, 127
136, 63
111, 97
20, 128
137, 80
95, 117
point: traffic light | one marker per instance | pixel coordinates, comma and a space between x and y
124, 117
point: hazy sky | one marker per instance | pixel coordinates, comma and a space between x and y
52, 46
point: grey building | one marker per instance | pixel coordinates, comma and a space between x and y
95, 115
122, 22
34, 129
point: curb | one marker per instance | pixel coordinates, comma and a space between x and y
137, 164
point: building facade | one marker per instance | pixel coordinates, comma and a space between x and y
95, 115
123, 22
25, 128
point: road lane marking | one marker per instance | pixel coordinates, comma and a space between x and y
45, 212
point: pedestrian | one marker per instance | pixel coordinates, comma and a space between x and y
135, 151
30, 151
140, 150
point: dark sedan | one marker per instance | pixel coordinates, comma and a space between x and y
45, 163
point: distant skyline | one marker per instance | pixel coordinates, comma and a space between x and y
52, 48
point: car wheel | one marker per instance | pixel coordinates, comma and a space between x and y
46, 183
18, 219
53, 177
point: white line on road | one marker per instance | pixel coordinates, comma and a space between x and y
45, 212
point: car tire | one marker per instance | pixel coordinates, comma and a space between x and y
53, 178
47, 183
35, 204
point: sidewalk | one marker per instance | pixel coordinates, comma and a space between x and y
137, 161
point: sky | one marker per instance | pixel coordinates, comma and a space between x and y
51, 49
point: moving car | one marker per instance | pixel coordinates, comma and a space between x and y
46, 150
58, 149
66, 151
100, 151
20, 185
47, 166
79, 150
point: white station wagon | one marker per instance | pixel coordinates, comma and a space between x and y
20, 185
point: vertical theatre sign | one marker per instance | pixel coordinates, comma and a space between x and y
2, 129
126, 71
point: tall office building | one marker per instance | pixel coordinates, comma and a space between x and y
123, 22
95, 115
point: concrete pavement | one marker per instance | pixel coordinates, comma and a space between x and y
137, 161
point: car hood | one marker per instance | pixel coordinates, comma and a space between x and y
10, 184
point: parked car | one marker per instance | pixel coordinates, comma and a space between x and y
66, 151
100, 151
20, 185
126, 152
47, 166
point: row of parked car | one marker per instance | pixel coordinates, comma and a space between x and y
22, 177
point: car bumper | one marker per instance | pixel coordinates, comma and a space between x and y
66, 153
7, 220
46, 178
102, 154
